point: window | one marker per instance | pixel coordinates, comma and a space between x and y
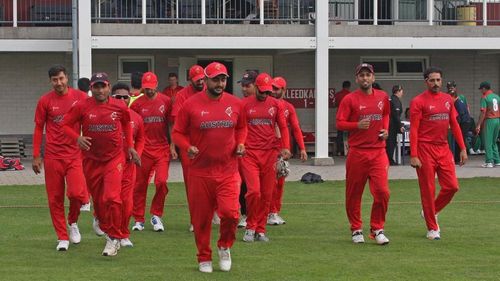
129, 64
397, 67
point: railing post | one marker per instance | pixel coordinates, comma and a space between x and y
14, 13
375, 12
203, 12
430, 11
261, 11
485, 13
356, 11
144, 11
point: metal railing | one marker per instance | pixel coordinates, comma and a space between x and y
35, 12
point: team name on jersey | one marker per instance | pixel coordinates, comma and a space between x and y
58, 118
102, 127
260, 122
439, 117
216, 124
371, 117
154, 119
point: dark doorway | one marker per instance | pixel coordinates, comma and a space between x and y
229, 65
384, 12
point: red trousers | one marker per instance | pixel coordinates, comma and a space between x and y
436, 159
57, 172
104, 179
364, 165
149, 165
259, 171
205, 194
127, 195
277, 196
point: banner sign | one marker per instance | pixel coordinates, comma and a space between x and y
306, 97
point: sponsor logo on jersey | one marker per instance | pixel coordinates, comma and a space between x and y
92, 116
371, 117
154, 119
58, 118
439, 117
431, 107
54, 108
203, 113
144, 110
216, 124
102, 128
361, 107
260, 122
252, 111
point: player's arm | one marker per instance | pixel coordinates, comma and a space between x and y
180, 134
482, 115
129, 139
140, 138
241, 132
384, 133
70, 119
297, 132
457, 133
343, 115
40, 117
285, 135
415, 117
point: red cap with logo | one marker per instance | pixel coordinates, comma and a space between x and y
149, 80
196, 73
279, 82
264, 82
215, 69
362, 66
99, 77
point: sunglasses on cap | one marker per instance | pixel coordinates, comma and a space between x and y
119, 97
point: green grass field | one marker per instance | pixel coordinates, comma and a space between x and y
314, 244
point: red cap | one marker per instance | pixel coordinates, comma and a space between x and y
196, 73
364, 66
264, 82
149, 81
279, 82
99, 77
215, 69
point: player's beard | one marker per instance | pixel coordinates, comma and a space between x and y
435, 89
215, 93
365, 87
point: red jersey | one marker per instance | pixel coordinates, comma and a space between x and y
339, 97
430, 117
215, 127
262, 118
104, 123
181, 97
155, 114
293, 122
172, 93
137, 126
49, 112
358, 106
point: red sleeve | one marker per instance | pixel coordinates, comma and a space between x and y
281, 119
387, 113
40, 117
343, 114
180, 132
179, 100
415, 117
140, 139
294, 123
241, 127
127, 127
168, 110
70, 119
455, 128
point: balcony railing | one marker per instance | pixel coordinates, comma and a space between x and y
358, 12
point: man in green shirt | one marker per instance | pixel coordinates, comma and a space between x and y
490, 115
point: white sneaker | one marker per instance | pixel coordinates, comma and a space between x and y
62, 245
111, 248
472, 152
357, 236
95, 225
249, 235
215, 219
125, 242
380, 237
497, 164
224, 259
280, 219
243, 221
85, 207
261, 237
157, 223
205, 267
433, 234
74, 234
191, 228
488, 165
272, 219
138, 226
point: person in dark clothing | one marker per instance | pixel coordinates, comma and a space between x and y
464, 120
395, 125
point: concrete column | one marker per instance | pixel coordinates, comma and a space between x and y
203, 12
485, 13
322, 42
430, 11
261, 11
84, 39
375, 12
144, 11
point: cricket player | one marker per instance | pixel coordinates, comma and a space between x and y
262, 113
364, 113
62, 159
431, 114
154, 108
279, 90
211, 129
490, 115
103, 121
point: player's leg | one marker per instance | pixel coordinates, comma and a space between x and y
267, 186
251, 174
355, 184
426, 180
274, 218
111, 197
127, 196
54, 185
447, 180
77, 194
141, 189
158, 203
379, 188
489, 140
495, 133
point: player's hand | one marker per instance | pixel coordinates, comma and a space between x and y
173, 152
84, 142
37, 165
402, 129
240, 149
134, 156
364, 124
192, 152
463, 157
383, 134
303, 155
415, 162
285, 153
478, 129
